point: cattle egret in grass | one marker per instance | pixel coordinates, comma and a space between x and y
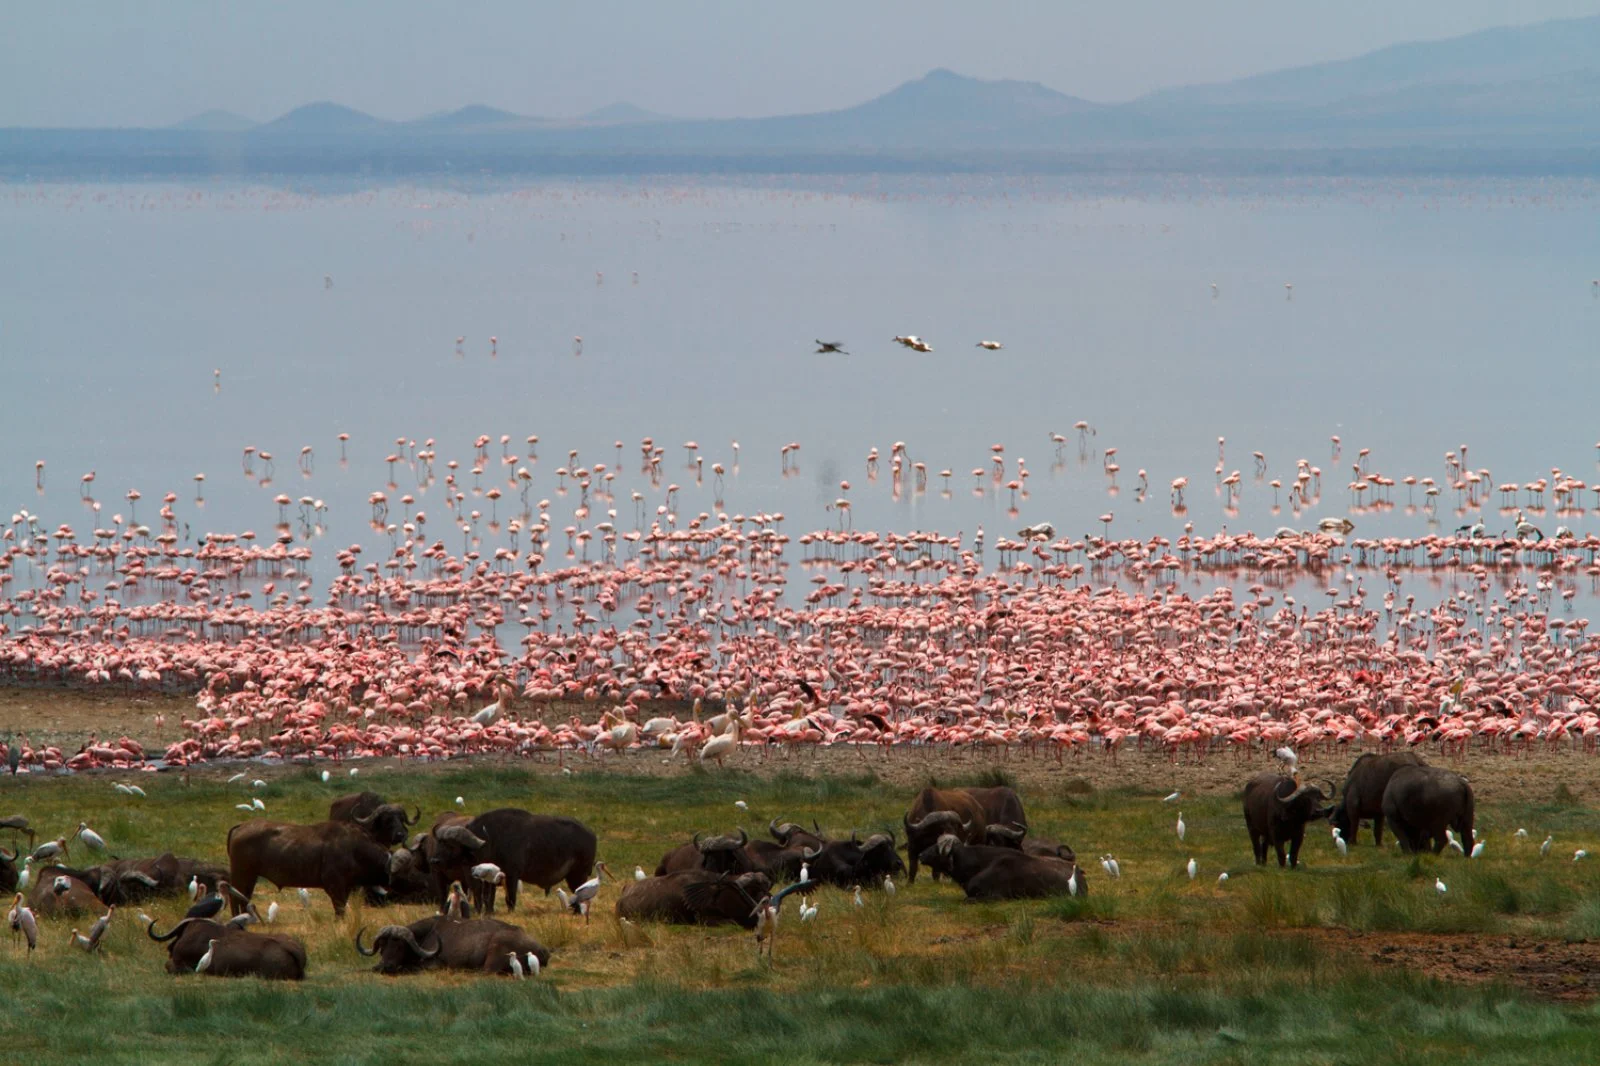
808, 910
120, 787
1544, 849
1579, 854
461, 801
305, 898
1222, 878
145, 919
1339, 842
533, 964
1439, 886
515, 964
90, 837
1072, 882
205, 960
888, 884
272, 912
1521, 834
805, 871
244, 807
325, 776
1182, 829
136, 790
354, 770
258, 783
638, 873
1477, 850
741, 804
1112, 868
1172, 798
194, 888
236, 778
1450, 839
1192, 868
859, 901
257, 804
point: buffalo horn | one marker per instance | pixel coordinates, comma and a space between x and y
369, 952
936, 818
1297, 793
414, 819
1007, 832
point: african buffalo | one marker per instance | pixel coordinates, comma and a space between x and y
1421, 802
990, 873
336, 857
1276, 810
936, 812
852, 862
60, 891
385, 823
540, 849
237, 952
718, 854
448, 943
8, 871
1016, 836
1363, 793
133, 880
1001, 805
695, 897
780, 858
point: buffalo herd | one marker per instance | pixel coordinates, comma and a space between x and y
979, 838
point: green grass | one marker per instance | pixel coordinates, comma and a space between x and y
1152, 968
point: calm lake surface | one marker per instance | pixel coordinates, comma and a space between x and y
150, 333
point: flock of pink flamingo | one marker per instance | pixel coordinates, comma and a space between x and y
694, 636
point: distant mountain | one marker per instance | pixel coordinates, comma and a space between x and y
473, 116
324, 117
1502, 55
215, 121
621, 113
1520, 99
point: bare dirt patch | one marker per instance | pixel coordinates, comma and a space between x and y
1549, 969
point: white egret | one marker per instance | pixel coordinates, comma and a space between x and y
205, 960
1172, 798
1182, 829
1192, 868
1579, 854
325, 776
1439, 886
888, 884
1544, 849
859, 901
1222, 878
638, 873
515, 964
533, 964
272, 912
1339, 842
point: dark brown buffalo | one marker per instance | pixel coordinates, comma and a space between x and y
695, 897
1001, 805
237, 952
385, 823
1363, 793
540, 849
1276, 810
336, 857
936, 812
780, 857
985, 872
8, 871
718, 854
848, 863
483, 944
1421, 802
60, 892
1017, 836
132, 880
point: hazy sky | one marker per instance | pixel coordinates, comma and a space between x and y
115, 63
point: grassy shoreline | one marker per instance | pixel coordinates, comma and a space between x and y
1150, 968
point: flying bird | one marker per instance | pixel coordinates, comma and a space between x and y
824, 347
993, 346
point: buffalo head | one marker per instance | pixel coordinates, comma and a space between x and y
387, 824
722, 854
397, 949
